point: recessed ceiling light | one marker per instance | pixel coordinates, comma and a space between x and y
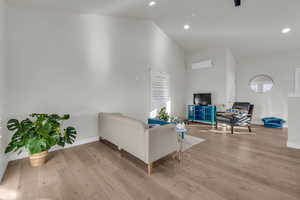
152, 3
285, 30
186, 27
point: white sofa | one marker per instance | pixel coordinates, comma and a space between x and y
134, 136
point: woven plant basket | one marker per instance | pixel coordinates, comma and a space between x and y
38, 159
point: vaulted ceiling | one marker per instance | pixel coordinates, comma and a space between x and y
250, 30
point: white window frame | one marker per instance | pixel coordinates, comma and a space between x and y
160, 92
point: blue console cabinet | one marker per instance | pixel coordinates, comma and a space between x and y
204, 114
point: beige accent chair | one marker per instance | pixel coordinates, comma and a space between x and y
134, 136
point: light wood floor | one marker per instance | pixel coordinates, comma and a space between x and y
224, 167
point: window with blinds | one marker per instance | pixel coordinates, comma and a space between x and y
160, 92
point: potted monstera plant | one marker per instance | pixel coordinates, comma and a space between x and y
38, 134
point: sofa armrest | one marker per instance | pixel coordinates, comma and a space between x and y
162, 141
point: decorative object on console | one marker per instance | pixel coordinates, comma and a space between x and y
38, 135
273, 122
240, 115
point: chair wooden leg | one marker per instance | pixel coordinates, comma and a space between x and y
232, 129
249, 128
150, 168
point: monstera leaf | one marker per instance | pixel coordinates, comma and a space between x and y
57, 117
68, 137
22, 133
13, 124
39, 134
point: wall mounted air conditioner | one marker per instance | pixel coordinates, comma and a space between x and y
202, 64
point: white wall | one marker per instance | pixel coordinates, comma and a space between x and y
218, 80
85, 64
280, 67
294, 116
230, 79
207, 80
3, 135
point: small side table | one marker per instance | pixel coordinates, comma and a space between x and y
180, 136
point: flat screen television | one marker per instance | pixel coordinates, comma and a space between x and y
203, 99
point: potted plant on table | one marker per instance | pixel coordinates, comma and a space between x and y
163, 115
39, 134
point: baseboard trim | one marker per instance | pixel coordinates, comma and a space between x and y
76, 143
293, 145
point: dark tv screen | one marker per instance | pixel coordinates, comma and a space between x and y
202, 99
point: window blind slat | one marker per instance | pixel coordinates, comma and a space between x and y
160, 89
